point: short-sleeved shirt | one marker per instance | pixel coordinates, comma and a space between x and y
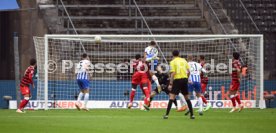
180, 66
83, 67
28, 77
195, 71
151, 51
203, 76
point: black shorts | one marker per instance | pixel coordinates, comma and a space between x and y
164, 89
180, 85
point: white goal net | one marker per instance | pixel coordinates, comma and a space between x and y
57, 55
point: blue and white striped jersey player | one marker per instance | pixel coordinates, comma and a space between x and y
194, 81
150, 56
83, 81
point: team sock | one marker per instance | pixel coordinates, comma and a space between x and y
189, 103
200, 102
182, 100
154, 78
86, 98
80, 97
175, 102
204, 100
132, 94
23, 103
169, 107
237, 97
232, 97
151, 98
147, 95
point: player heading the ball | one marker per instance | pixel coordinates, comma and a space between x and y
150, 55
83, 81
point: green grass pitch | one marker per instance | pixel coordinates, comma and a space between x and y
136, 121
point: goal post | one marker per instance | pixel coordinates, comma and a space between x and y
57, 55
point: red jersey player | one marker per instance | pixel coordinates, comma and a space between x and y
204, 83
235, 83
26, 81
140, 77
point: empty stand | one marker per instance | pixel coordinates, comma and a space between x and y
122, 17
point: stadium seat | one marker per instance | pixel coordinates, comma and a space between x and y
269, 98
7, 99
89, 16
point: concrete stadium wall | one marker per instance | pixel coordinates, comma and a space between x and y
27, 22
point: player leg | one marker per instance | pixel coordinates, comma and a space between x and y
190, 91
197, 87
183, 103
203, 91
81, 86
233, 100
78, 103
153, 94
86, 98
185, 92
146, 90
154, 78
232, 92
84, 92
135, 80
25, 91
237, 97
172, 95
132, 95
175, 103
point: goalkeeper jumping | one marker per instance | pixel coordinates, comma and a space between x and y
163, 79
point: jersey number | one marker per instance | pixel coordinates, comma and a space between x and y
195, 67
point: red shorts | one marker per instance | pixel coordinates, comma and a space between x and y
235, 85
25, 90
139, 78
203, 87
149, 86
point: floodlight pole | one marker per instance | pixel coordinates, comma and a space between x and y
16, 67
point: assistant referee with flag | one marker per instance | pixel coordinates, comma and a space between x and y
179, 69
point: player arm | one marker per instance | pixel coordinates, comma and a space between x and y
238, 69
188, 69
239, 72
202, 69
31, 78
145, 55
89, 69
172, 77
172, 73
